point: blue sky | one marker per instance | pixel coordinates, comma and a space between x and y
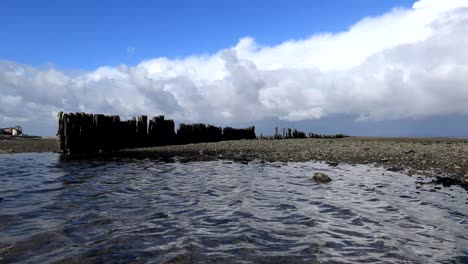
89, 34
361, 67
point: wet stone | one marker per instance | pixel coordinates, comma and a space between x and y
446, 181
395, 169
464, 180
321, 177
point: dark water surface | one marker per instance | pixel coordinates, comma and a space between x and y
150, 211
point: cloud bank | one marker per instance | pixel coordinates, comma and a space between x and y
407, 63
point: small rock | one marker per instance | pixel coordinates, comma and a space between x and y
333, 164
464, 180
395, 169
384, 160
321, 177
410, 151
446, 181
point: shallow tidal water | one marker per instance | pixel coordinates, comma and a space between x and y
114, 210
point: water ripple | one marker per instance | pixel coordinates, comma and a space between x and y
152, 211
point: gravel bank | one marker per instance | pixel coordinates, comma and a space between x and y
10, 144
427, 156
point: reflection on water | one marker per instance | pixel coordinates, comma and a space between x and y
150, 211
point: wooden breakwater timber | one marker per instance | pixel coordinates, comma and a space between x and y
288, 133
84, 133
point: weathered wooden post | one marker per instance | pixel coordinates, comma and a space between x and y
116, 133
74, 133
142, 130
80, 134
252, 133
151, 140
170, 131
158, 130
97, 131
61, 132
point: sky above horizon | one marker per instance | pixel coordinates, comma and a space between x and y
363, 67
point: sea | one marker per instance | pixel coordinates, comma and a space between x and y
59, 209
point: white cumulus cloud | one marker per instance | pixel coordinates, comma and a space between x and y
407, 63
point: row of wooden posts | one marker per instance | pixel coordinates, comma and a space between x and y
288, 133
294, 133
83, 133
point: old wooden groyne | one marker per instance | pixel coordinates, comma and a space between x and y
84, 133
288, 133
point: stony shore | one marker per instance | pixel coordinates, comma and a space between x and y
427, 156
22, 144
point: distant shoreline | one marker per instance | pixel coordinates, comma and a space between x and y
428, 156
